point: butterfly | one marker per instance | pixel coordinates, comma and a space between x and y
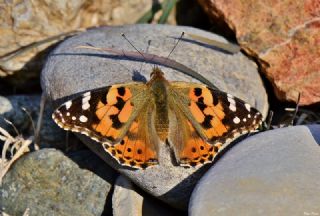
132, 120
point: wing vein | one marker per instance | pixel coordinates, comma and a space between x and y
219, 120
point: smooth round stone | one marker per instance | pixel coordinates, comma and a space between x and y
71, 70
273, 173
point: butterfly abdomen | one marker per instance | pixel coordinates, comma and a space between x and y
161, 119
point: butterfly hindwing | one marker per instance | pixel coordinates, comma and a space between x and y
189, 147
139, 147
213, 117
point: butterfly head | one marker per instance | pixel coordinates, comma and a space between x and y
156, 74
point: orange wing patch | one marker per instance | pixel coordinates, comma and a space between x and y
208, 112
196, 151
112, 112
134, 150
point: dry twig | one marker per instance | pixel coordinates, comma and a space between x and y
17, 146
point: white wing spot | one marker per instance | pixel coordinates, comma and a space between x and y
236, 120
232, 107
73, 118
58, 113
85, 100
244, 119
232, 102
68, 104
248, 107
249, 116
85, 106
83, 119
86, 94
68, 114
230, 96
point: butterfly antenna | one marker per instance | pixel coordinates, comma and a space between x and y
174, 47
124, 36
147, 50
145, 59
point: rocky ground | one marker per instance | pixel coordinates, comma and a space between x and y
64, 173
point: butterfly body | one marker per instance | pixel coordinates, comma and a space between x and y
133, 120
159, 87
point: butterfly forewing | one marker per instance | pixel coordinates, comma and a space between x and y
104, 114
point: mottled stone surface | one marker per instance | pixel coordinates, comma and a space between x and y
48, 183
26, 22
70, 71
127, 200
88, 160
284, 36
273, 173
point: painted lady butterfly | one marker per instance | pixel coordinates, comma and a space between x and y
131, 120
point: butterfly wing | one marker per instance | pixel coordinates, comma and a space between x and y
189, 147
139, 147
114, 116
207, 119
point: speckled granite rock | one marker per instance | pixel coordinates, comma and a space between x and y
88, 160
48, 183
127, 201
69, 71
273, 173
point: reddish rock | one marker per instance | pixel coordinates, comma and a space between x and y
285, 38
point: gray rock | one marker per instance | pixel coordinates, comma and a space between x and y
272, 173
70, 71
127, 201
315, 131
48, 183
5, 105
50, 135
11, 108
88, 160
